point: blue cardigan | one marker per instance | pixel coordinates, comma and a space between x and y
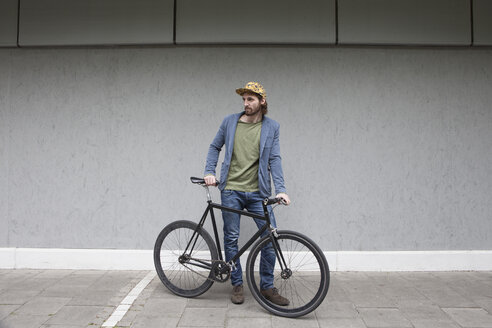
270, 160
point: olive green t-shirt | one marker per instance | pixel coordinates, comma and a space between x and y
243, 171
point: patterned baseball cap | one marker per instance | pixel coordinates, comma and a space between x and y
254, 87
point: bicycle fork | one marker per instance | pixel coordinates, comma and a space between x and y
285, 271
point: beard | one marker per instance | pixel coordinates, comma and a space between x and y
252, 111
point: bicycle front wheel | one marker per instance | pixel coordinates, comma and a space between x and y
185, 271
304, 281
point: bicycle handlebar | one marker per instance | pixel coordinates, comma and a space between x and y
267, 201
201, 181
271, 201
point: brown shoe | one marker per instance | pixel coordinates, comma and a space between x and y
237, 296
273, 296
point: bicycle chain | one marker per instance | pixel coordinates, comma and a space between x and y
191, 258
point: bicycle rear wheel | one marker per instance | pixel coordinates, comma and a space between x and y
185, 274
305, 280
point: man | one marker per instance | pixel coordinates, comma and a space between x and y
252, 157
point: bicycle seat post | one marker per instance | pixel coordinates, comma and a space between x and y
209, 198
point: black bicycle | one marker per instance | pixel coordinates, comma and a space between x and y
188, 261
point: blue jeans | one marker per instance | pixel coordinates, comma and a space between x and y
251, 201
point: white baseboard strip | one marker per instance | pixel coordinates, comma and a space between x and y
118, 259
64, 258
411, 260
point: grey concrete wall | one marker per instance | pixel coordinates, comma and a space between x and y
93, 22
424, 22
383, 148
482, 24
4, 142
164, 22
8, 23
273, 22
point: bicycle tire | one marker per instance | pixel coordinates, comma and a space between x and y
181, 279
308, 285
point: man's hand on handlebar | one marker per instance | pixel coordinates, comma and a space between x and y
284, 198
210, 180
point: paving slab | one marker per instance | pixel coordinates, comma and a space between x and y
130, 318
77, 279
468, 284
9, 280
54, 274
165, 307
336, 310
23, 321
467, 317
148, 322
161, 291
61, 290
5, 310
483, 276
447, 297
43, 305
17, 296
341, 323
364, 291
336, 292
212, 300
352, 276
370, 297
384, 317
206, 317
75, 315
422, 280
90, 272
101, 316
33, 283
249, 309
111, 282
430, 323
396, 288
307, 321
22, 273
248, 322
485, 303
95, 297
422, 310
66, 326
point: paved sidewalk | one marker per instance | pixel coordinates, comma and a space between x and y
75, 299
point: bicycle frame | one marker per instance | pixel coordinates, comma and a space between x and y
210, 209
